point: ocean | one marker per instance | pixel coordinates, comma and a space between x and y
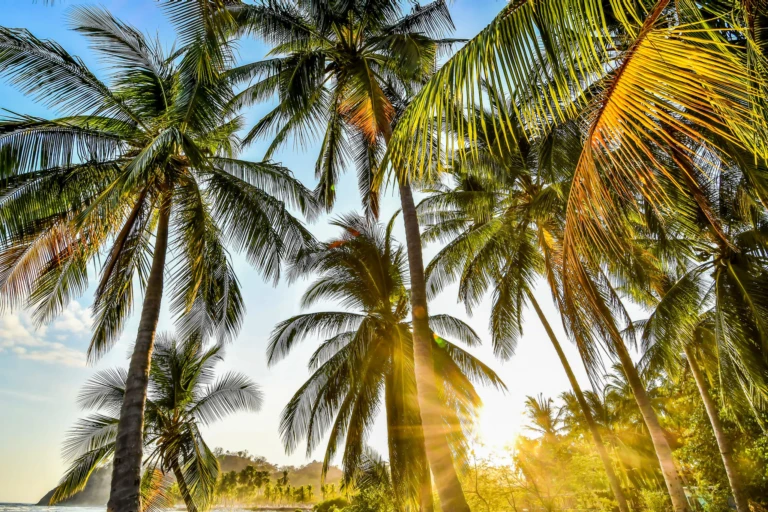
25, 507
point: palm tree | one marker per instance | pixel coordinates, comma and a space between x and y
369, 352
545, 418
150, 152
608, 65
184, 394
713, 300
502, 221
715, 311
346, 70
693, 357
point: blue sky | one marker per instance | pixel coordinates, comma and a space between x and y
41, 370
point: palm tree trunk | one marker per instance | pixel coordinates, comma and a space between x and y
660, 444
438, 452
183, 489
427, 503
723, 443
125, 488
405, 435
613, 480
436, 443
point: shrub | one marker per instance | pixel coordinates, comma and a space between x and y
331, 505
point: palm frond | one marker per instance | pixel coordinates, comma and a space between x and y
104, 391
80, 471
255, 222
232, 393
448, 326
275, 180
295, 329
45, 71
91, 439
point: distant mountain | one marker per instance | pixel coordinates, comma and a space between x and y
96, 492
310, 475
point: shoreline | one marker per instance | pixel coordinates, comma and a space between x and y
279, 509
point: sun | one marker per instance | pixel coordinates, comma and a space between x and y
498, 427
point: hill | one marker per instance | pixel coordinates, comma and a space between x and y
96, 492
308, 474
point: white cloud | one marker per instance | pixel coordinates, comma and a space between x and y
75, 318
19, 336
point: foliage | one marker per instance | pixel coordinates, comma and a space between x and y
259, 483
365, 361
184, 394
615, 149
341, 72
606, 65
87, 186
554, 467
331, 505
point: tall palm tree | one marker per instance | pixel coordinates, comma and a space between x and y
134, 168
623, 431
345, 70
369, 352
608, 64
693, 355
713, 301
184, 394
502, 220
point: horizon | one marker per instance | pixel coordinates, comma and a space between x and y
42, 369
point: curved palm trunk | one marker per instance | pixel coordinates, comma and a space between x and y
438, 452
125, 489
660, 444
183, 489
723, 443
613, 480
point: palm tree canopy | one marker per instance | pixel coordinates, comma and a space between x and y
501, 219
367, 355
184, 394
714, 299
341, 72
645, 138
544, 417
89, 183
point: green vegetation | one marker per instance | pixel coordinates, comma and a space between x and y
555, 467
365, 360
613, 153
247, 481
183, 395
347, 70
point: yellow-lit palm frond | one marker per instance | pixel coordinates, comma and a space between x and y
660, 121
365, 105
542, 53
663, 91
549, 54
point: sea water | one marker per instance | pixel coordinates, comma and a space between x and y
26, 507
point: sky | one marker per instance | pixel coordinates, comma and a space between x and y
42, 368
